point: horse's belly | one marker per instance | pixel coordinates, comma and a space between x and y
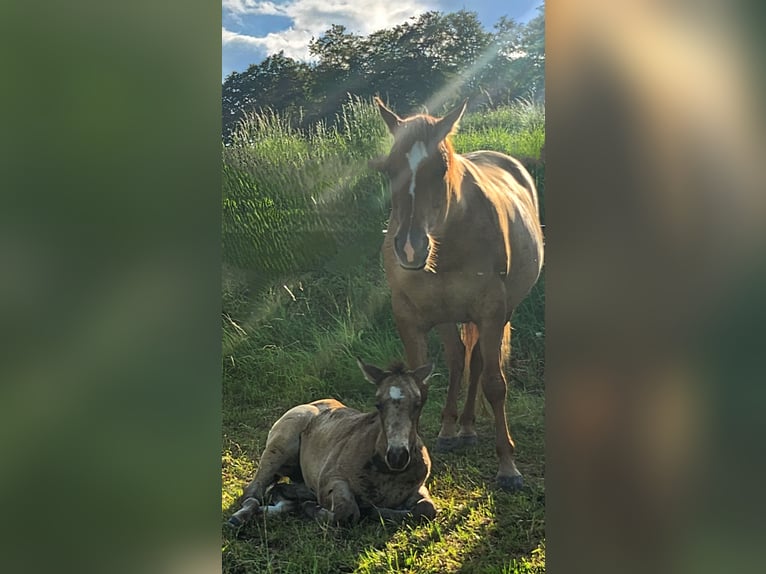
448, 297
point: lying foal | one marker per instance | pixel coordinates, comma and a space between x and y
343, 463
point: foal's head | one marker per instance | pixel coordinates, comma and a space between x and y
416, 167
400, 398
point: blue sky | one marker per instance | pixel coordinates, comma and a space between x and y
253, 29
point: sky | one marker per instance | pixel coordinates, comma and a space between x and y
254, 29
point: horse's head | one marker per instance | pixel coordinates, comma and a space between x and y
416, 168
400, 398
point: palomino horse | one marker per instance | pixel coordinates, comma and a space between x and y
464, 245
343, 462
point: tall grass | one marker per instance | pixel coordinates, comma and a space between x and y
304, 293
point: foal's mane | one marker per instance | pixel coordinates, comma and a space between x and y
397, 368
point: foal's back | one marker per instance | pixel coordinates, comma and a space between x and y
336, 439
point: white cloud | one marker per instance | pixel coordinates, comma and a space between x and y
310, 18
252, 7
293, 42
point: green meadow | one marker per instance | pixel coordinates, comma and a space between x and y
304, 293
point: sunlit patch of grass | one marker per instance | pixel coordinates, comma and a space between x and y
477, 529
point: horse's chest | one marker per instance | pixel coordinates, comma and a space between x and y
383, 488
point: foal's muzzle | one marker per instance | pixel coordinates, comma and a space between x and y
397, 458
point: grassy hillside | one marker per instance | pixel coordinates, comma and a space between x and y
304, 293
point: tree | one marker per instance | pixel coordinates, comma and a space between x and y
434, 53
279, 82
518, 67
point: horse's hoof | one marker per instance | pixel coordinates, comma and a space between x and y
311, 508
468, 440
510, 483
234, 522
447, 444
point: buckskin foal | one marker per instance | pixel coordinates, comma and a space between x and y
343, 462
464, 245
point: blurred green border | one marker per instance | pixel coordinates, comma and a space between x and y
110, 296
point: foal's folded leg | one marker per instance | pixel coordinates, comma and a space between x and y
287, 497
392, 514
418, 506
337, 504
422, 505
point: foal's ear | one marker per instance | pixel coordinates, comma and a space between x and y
371, 372
423, 373
449, 123
392, 120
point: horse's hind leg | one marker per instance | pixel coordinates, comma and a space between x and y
281, 456
454, 352
467, 434
493, 383
297, 491
282, 497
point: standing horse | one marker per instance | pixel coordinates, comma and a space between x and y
343, 462
464, 245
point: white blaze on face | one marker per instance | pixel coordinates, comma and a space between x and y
414, 157
398, 425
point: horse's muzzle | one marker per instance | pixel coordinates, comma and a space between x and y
397, 458
412, 249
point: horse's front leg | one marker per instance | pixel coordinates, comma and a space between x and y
336, 504
414, 336
419, 506
422, 505
454, 353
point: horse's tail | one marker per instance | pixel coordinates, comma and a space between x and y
470, 335
505, 347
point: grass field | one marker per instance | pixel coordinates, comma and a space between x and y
304, 294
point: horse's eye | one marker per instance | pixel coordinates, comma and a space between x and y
379, 406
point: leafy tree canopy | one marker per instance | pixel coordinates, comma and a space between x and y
450, 54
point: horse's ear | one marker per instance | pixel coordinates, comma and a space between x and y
423, 373
392, 120
371, 372
449, 123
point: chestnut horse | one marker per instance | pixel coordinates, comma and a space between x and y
464, 245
